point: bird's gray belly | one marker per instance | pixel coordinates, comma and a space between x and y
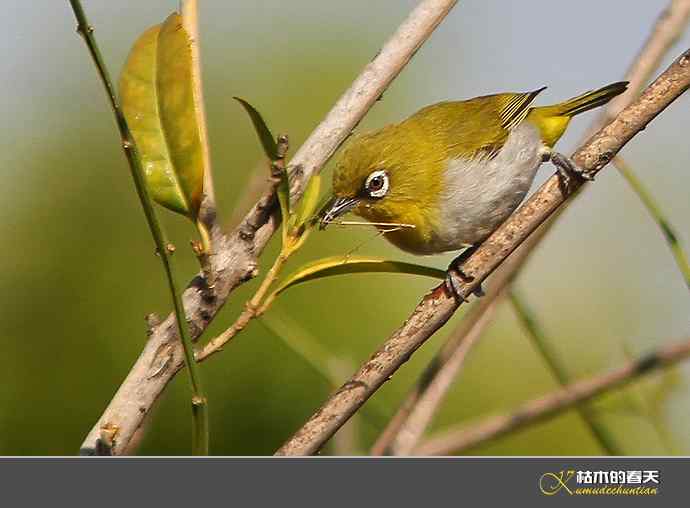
480, 194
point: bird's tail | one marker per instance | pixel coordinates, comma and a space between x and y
592, 99
553, 120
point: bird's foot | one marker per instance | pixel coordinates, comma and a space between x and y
456, 278
567, 168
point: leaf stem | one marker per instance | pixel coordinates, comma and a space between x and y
291, 240
538, 338
654, 210
254, 308
199, 402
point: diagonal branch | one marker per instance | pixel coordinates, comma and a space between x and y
459, 439
419, 407
438, 306
667, 30
234, 260
670, 24
425, 399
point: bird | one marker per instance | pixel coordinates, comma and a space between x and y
446, 177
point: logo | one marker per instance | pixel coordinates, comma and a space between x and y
600, 483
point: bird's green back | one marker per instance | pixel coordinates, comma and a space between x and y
451, 130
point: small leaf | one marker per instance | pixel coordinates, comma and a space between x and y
307, 205
339, 265
157, 97
283, 191
267, 140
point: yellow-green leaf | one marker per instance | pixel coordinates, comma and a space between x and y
307, 206
268, 142
339, 265
157, 98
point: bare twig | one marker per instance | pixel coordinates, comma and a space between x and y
462, 438
669, 26
437, 307
668, 29
252, 307
408, 425
190, 20
235, 256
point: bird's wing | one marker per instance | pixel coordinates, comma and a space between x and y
472, 128
515, 107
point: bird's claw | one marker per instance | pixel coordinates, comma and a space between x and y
566, 168
456, 278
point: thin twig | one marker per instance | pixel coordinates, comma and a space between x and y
236, 254
253, 307
251, 310
459, 439
438, 306
407, 427
199, 403
654, 210
667, 30
539, 340
189, 10
669, 26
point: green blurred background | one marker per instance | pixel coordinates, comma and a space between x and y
78, 273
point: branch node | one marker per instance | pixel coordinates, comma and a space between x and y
153, 320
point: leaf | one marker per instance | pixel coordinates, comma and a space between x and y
307, 205
267, 140
157, 96
339, 265
283, 191
270, 147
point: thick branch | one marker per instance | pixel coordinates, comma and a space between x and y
465, 437
438, 306
234, 260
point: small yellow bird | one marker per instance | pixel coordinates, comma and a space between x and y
454, 171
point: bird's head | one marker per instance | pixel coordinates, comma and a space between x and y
387, 176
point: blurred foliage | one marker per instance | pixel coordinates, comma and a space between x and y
79, 274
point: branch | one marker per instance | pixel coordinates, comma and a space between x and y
419, 407
438, 306
668, 29
462, 438
669, 26
234, 260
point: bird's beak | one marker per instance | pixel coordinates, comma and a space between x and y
335, 208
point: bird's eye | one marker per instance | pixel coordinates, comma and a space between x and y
377, 184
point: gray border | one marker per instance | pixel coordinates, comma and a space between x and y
321, 481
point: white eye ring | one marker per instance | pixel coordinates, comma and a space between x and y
383, 190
